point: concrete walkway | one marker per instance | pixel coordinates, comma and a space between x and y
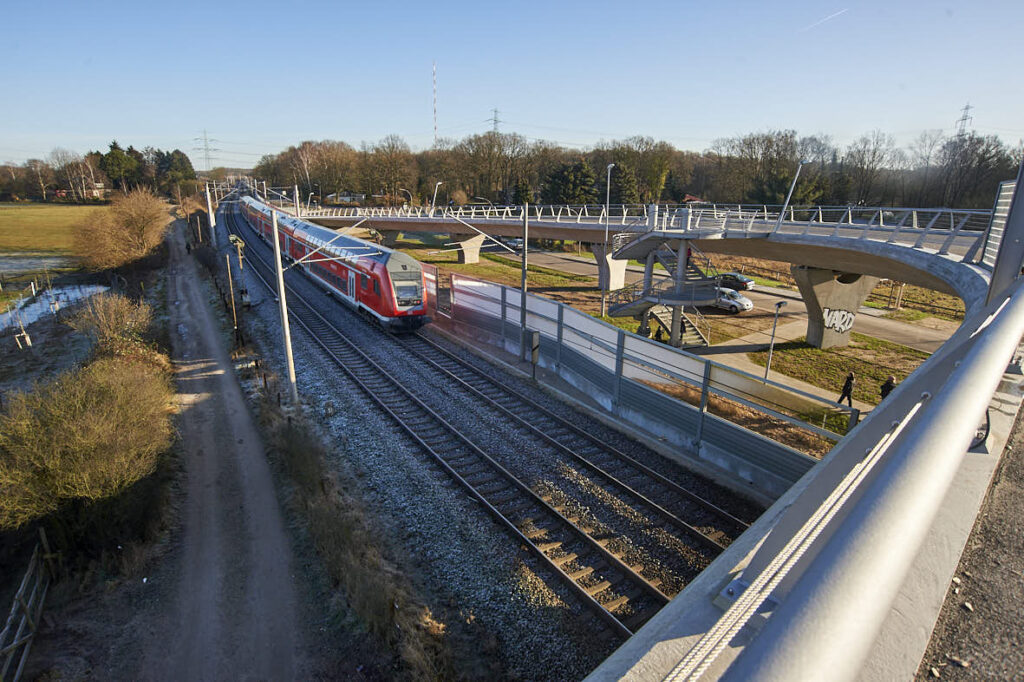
733, 353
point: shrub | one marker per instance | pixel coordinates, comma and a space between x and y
88, 435
109, 318
130, 229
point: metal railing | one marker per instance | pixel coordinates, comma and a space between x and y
667, 289
837, 543
674, 216
618, 214
937, 229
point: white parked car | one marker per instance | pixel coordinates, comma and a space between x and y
731, 300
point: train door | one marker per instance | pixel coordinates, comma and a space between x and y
352, 284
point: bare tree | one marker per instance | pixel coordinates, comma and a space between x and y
866, 159
42, 174
923, 157
392, 164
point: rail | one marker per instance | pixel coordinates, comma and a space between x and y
477, 472
836, 542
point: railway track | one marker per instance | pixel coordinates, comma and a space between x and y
711, 526
598, 576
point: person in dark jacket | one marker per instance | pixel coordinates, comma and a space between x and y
886, 388
847, 390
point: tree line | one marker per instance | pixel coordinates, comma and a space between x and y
81, 178
959, 171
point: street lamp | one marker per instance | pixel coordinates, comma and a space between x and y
788, 196
407, 192
433, 202
607, 201
309, 200
771, 346
485, 199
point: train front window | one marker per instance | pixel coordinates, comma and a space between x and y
408, 287
406, 280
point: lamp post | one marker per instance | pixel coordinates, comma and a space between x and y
607, 202
408, 193
309, 200
771, 346
522, 282
788, 196
433, 201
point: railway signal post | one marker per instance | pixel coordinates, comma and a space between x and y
231, 288
284, 311
209, 212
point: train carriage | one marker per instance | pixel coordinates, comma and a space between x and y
385, 284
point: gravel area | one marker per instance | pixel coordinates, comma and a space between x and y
467, 569
462, 556
979, 633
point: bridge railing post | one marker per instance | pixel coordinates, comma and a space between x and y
620, 351
558, 332
704, 393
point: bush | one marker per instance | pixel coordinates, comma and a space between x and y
109, 318
130, 229
88, 435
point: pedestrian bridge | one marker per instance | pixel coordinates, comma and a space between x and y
946, 250
844, 576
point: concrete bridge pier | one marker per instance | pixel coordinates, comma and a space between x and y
675, 339
469, 246
389, 238
832, 299
611, 273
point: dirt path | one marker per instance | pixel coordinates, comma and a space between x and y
235, 604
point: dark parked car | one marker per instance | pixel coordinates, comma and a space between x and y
734, 280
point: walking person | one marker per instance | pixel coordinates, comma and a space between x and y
886, 388
847, 390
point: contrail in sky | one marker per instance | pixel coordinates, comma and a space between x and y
822, 21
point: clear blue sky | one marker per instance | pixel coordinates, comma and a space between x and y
261, 76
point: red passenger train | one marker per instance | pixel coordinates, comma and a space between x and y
385, 284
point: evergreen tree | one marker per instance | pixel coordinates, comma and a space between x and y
624, 188
522, 192
118, 165
571, 183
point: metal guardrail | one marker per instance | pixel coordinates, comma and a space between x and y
836, 542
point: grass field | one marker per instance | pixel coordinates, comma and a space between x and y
871, 360
39, 228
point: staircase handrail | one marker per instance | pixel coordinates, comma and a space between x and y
699, 322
